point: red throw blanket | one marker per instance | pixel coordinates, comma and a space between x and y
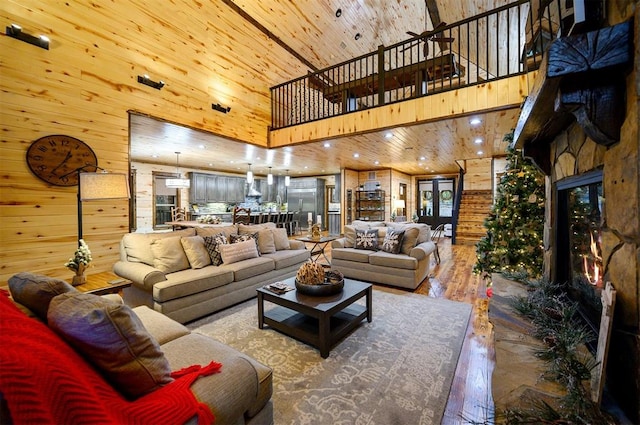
45, 381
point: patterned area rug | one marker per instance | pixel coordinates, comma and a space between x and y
397, 369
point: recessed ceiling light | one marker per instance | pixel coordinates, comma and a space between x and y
357, 37
388, 135
327, 145
475, 121
477, 141
210, 164
154, 156
201, 146
376, 162
422, 158
356, 155
480, 153
338, 13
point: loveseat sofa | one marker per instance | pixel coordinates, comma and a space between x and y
70, 357
185, 274
396, 254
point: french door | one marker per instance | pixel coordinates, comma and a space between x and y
435, 201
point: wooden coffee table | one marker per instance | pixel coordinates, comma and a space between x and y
318, 321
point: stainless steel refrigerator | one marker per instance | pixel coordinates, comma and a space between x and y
306, 195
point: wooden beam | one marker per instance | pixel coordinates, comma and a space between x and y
269, 34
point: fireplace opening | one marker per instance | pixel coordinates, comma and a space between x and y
579, 266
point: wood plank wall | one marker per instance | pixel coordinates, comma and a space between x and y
84, 87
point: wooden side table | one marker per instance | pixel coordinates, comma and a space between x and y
103, 283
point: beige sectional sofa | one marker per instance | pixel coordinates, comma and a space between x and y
172, 272
402, 260
107, 363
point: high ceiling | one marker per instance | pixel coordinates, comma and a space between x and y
320, 39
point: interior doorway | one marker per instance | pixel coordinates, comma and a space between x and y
435, 201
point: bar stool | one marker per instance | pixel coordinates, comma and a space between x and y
264, 217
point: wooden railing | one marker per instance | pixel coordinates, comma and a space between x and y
504, 42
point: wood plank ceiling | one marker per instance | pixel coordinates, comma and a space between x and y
319, 38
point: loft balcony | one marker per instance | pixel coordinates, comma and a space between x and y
507, 42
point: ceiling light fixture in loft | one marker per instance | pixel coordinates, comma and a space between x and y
269, 177
287, 179
178, 182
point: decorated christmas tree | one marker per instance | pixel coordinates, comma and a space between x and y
513, 243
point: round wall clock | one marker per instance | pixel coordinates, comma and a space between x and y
57, 158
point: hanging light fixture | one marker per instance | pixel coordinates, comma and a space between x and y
249, 175
287, 179
178, 182
269, 177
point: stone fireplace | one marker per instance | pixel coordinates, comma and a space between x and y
580, 126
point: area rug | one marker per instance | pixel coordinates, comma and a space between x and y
397, 369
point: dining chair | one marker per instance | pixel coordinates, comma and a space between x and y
436, 235
241, 215
178, 214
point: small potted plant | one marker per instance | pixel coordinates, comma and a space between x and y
79, 262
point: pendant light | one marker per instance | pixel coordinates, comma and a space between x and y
287, 179
269, 177
178, 182
249, 175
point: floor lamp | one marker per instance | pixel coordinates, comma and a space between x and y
100, 186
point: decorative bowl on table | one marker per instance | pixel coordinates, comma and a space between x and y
320, 289
311, 279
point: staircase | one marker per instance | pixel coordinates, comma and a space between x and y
474, 208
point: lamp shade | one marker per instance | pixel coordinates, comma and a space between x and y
178, 183
399, 204
97, 186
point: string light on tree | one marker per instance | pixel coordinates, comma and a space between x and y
513, 242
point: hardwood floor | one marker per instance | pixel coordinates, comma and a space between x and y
470, 399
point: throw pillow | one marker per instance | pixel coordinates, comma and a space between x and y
196, 252
246, 237
367, 239
212, 245
35, 291
281, 239
392, 241
113, 338
232, 253
266, 244
410, 240
168, 255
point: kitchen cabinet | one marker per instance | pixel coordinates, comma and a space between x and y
208, 188
235, 189
198, 192
370, 205
270, 192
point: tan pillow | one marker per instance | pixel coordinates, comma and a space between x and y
281, 239
350, 235
214, 231
266, 244
35, 291
409, 240
196, 252
137, 245
232, 253
112, 337
252, 228
168, 255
